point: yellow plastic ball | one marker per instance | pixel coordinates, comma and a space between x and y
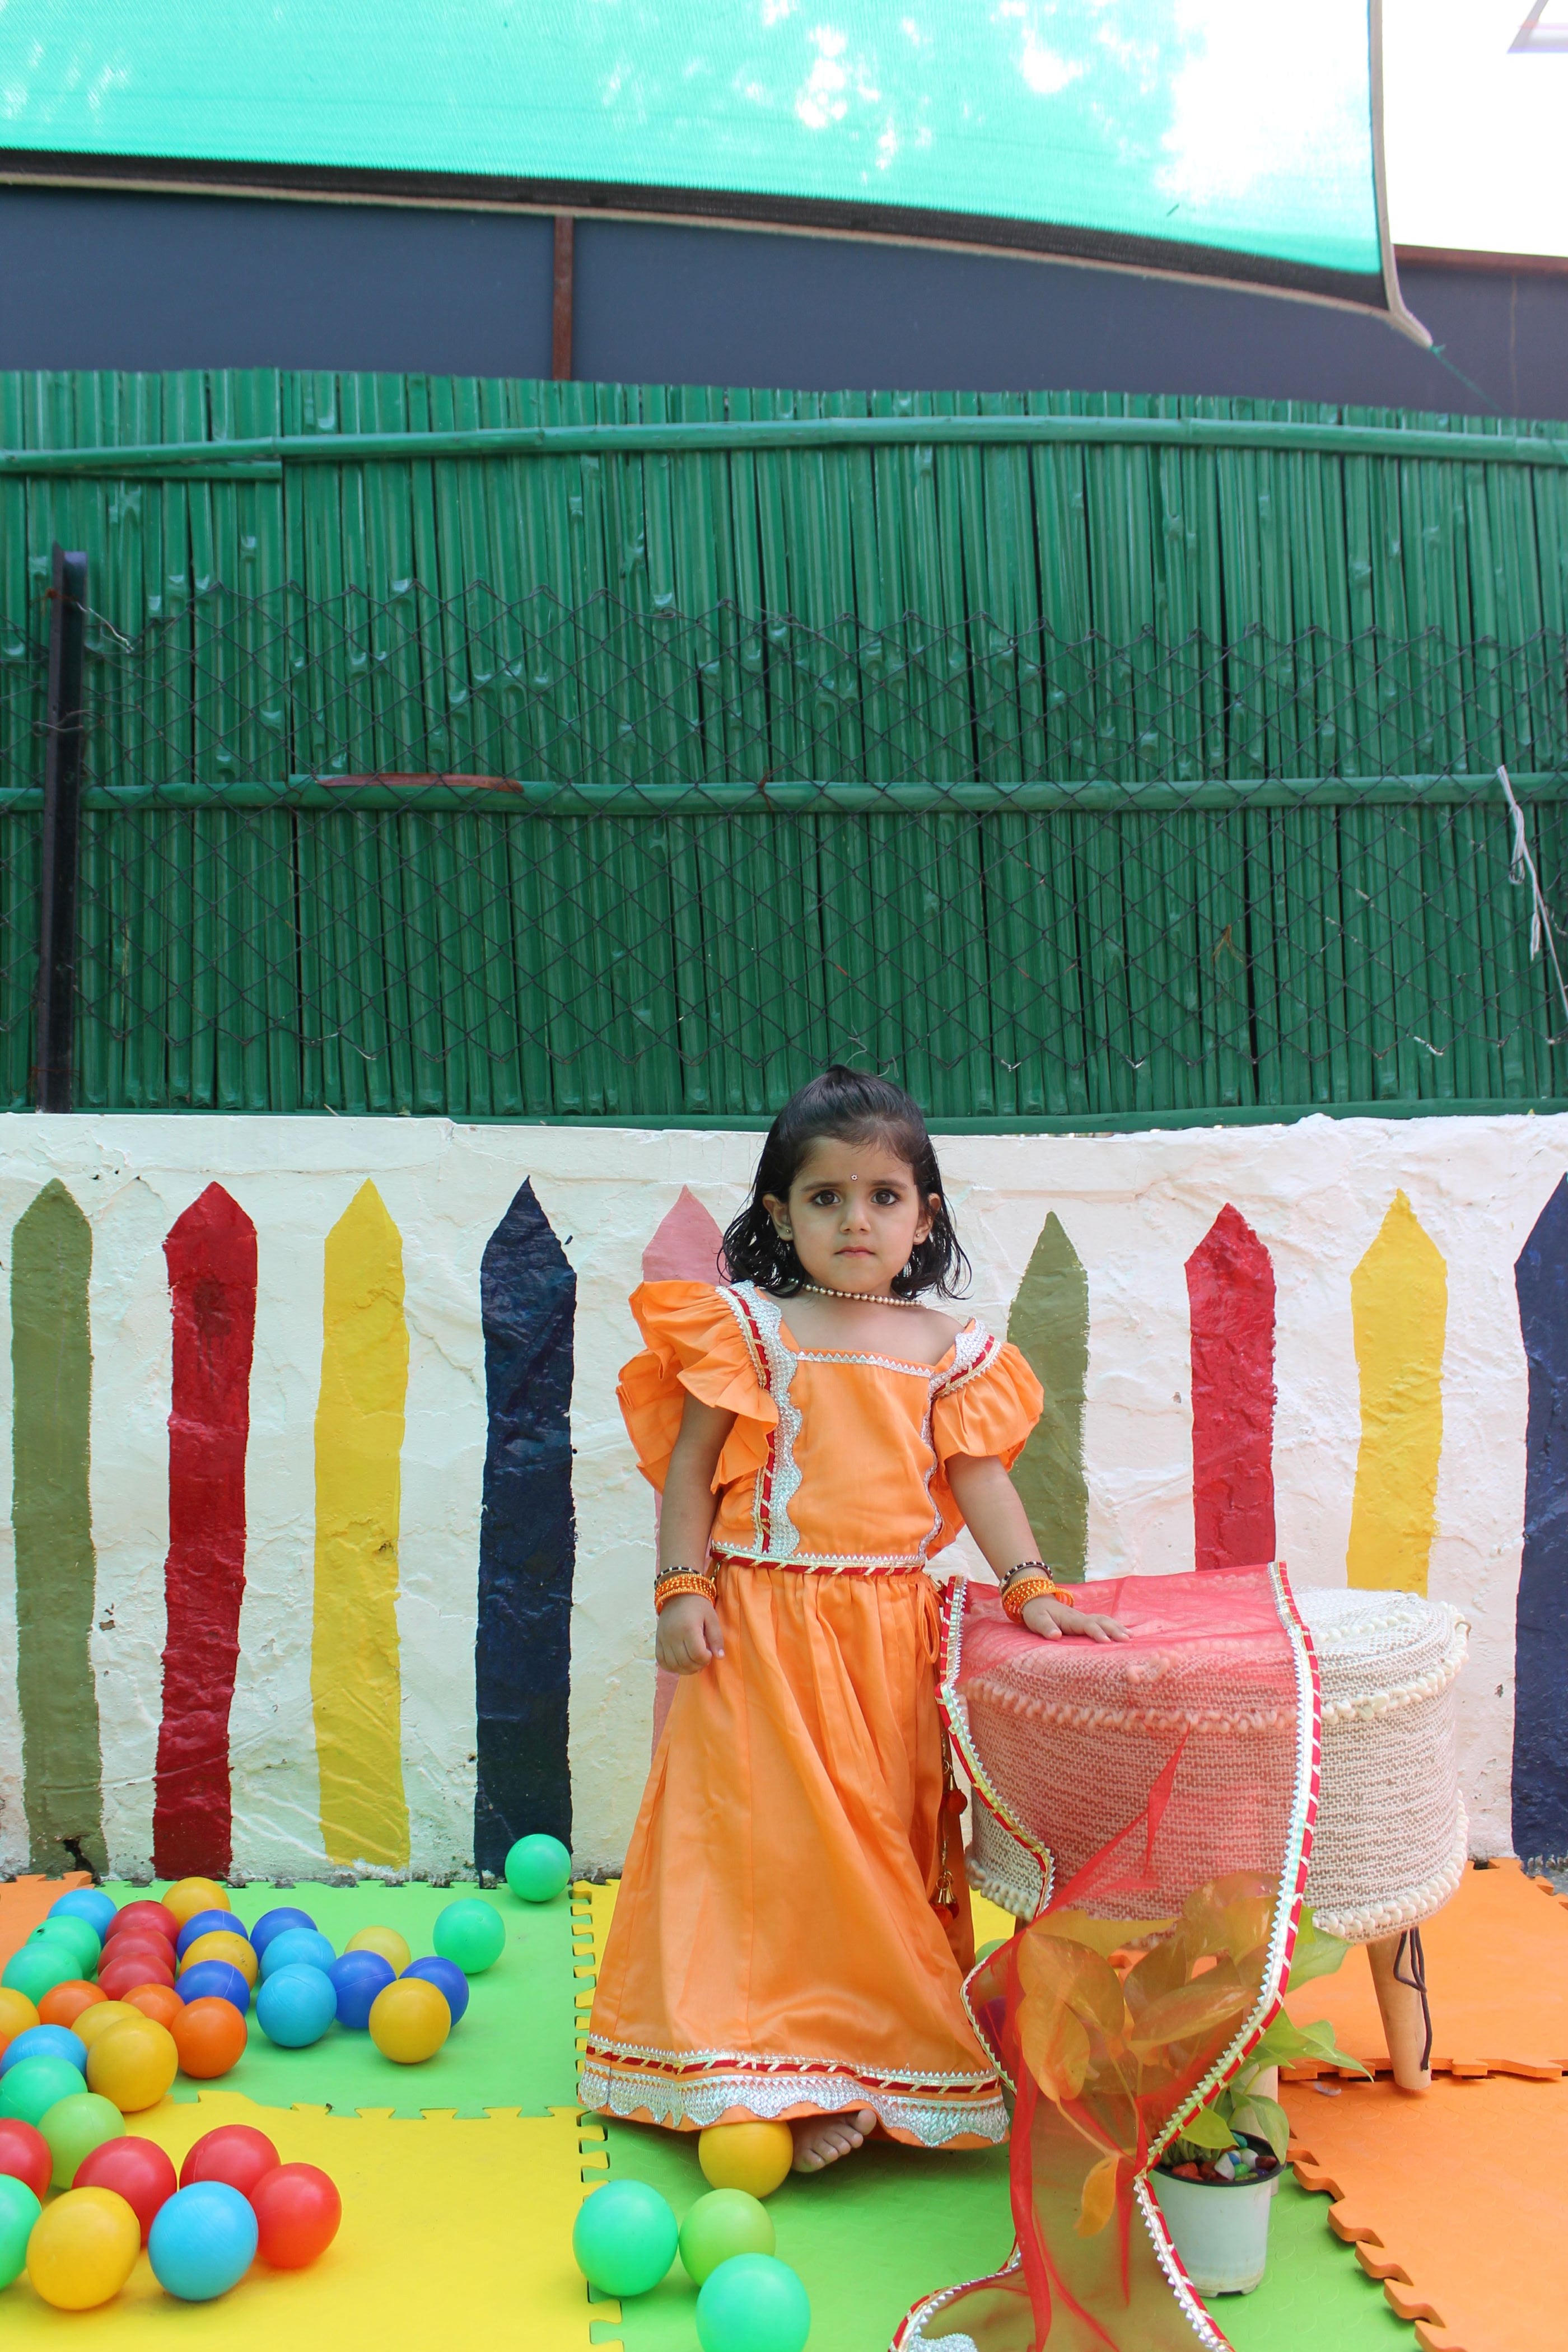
102, 2018
392, 1947
189, 1896
16, 2014
134, 2064
222, 1944
83, 2249
409, 2020
752, 2157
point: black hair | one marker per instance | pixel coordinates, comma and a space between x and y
852, 1108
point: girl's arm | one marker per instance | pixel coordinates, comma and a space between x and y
995, 1518
688, 1635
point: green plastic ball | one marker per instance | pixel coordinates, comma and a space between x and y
470, 1934
42, 1962
32, 2088
66, 1928
720, 2225
753, 2303
19, 2208
74, 2127
538, 1868
624, 2238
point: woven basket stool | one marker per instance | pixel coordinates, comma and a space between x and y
1391, 1839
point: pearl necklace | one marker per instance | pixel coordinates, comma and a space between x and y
857, 1297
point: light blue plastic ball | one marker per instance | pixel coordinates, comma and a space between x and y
295, 2006
89, 1903
44, 2041
296, 1947
624, 2238
202, 2241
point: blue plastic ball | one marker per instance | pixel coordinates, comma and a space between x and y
357, 1978
203, 2240
296, 1947
44, 2041
624, 2238
295, 2006
448, 1978
206, 1923
89, 1903
278, 1923
753, 2303
218, 1979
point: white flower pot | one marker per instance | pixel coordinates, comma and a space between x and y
1220, 2228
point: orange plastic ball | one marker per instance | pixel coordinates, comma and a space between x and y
134, 2064
102, 2019
752, 2157
409, 2019
189, 1896
83, 2248
16, 2014
65, 2004
210, 2036
239, 1950
161, 2003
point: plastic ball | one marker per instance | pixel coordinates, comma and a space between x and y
392, 1947
296, 1947
19, 2211
409, 2020
208, 1923
447, 1978
295, 2006
236, 2153
357, 1978
161, 2002
133, 2065
472, 1933
89, 1903
41, 1963
189, 1896
297, 2210
210, 2036
214, 1980
117, 1983
720, 2225
24, 2154
625, 2237
44, 2041
138, 1918
202, 2241
31, 2089
64, 2003
276, 1922
74, 2128
137, 2169
538, 1868
102, 2019
81, 1936
141, 1943
83, 2249
17, 2013
235, 1950
753, 2303
752, 2157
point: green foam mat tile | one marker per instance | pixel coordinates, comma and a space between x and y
1315, 2296
513, 2049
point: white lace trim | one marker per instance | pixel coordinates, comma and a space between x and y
776, 1531
931, 2122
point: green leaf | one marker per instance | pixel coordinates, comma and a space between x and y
1320, 2045
1265, 2118
1316, 1954
1208, 2129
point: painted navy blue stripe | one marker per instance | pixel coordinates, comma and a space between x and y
522, 1651
1540, 1675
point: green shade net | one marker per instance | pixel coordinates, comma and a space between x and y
1212, 136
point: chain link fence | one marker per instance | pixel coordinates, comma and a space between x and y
493, 858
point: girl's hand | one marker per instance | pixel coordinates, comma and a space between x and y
1051, 1619
689, 1637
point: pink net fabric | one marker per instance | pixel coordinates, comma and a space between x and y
1166, 1787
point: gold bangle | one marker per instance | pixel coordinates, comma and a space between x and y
670, 1587
1022, 1590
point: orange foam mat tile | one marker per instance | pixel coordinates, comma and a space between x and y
1454, 2199
1497, 1978
24, 1902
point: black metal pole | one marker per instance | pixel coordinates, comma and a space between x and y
52, 1064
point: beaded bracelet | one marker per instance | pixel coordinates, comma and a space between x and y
1031, 1581
675, 1581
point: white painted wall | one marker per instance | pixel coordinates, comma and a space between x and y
1135, 1207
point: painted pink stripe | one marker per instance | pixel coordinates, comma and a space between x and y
684, 1249
1230, 1292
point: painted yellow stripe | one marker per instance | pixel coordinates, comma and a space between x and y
1399, 1307
355, 1677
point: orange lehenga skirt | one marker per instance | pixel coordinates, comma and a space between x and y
777, 1949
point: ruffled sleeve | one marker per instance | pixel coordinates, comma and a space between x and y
988, 1408
695, 1348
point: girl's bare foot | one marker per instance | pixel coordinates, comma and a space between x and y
823, 2139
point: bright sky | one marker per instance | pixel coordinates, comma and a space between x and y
1476, 133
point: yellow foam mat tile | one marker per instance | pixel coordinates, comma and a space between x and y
454, 2230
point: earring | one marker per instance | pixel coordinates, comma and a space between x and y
784, 1233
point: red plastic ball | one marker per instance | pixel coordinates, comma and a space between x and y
117, 1978
154, 1915
237, 2154
298, 2210
26, 2154
210, 2035
137, 2169
142, 1946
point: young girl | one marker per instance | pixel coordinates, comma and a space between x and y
793, 1925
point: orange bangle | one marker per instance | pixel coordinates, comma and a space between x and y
670, 1587
1024, 1589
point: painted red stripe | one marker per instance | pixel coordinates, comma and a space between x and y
1230, 1292
211, 1257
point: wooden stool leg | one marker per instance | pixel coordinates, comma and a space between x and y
1403, 2012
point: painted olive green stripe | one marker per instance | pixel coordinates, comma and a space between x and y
51, 1369
1049, 1327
